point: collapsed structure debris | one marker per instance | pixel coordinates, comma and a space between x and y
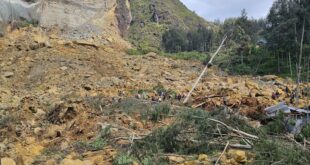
300, 116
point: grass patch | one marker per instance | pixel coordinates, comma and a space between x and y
96, 144
124, 159
53, 152
96, 102
159, 112
269, 151
188, 56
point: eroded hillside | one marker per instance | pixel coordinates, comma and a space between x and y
57, 94
70, 94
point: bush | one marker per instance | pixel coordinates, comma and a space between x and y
277, 126
241, 69
304, 134
123, 159
96, 144
141, 50
160, 111
133, 52
269, 151
194, 55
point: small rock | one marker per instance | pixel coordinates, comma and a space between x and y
269, 77
8, 74
250, 101
63, 68
7, 161
138, 125
64, 145
87, 87
40, 113
192, 162
38, 131
126, 120
176, 159
123, 142
3, 148
238, 155
53, 132
50, 162
251, 85
30, 140
203, 157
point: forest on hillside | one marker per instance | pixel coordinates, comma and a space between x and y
274, 45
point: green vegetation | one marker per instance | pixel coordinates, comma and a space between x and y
197, 39
304, 134
123, 159
146, 33
258, 47
193, 133
277, 126
188, 56
270, 151
96, 144
160, 111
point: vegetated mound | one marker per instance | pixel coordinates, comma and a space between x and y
152, 18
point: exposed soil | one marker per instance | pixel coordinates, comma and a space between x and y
55, 93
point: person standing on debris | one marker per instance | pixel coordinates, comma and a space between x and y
287, 91
292, 97
277, 94
273, 96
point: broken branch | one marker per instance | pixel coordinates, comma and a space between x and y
216, 163
241, 146
234, 130
204, 70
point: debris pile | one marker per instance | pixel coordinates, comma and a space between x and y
73, 102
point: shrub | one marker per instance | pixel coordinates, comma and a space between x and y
269, 151
123, 159
160, 111
241, 69
96, 144
194, 55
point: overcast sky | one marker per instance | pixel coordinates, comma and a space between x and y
221, 9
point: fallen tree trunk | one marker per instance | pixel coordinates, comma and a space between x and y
204, 70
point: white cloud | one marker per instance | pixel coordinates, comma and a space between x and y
221, 9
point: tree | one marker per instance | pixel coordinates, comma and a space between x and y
174, 40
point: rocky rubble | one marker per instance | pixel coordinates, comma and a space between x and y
56, 99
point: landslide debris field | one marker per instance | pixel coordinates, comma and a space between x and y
64, 102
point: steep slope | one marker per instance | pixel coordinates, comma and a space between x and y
152, 18
96, 20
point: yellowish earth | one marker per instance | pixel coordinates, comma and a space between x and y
41, 72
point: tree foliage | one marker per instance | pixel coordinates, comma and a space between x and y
177, 40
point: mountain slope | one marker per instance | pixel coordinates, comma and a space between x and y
152, 18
